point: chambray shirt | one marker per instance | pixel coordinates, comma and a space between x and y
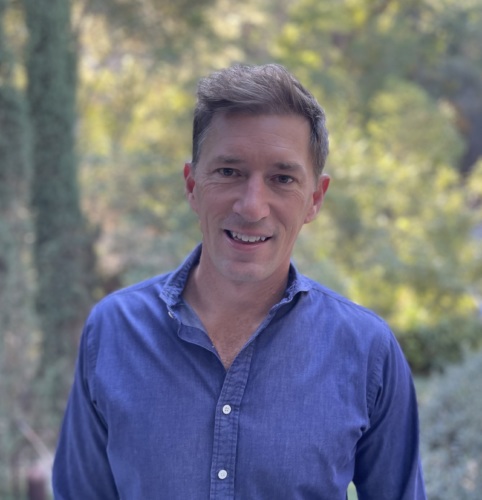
319, 396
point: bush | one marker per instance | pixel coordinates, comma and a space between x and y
451, 433
429, 348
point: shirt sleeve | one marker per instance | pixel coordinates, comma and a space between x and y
81, 466
387, 459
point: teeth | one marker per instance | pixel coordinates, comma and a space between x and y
246, 238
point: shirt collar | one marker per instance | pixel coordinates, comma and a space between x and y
172, 290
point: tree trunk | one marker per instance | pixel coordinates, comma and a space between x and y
63, 249
17, 322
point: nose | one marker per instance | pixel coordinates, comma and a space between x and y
252, 202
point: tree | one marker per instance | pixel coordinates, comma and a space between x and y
397, 222
456, 74
158, 30
359, 44
17, 322
63, 249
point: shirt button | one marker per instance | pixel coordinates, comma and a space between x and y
226, 409
222, 474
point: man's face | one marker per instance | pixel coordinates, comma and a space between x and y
253, 189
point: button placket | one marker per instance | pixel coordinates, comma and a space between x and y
226, 426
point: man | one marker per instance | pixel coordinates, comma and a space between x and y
235, 376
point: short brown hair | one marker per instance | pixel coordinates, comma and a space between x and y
268, 89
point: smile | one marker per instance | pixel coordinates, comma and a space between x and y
245, 238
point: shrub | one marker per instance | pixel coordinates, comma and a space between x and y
451, 432
430, 348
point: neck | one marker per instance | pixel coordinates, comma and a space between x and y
230, 311
208, 292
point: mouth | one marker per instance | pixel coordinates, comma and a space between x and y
245, 238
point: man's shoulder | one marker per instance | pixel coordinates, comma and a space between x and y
144, 286
168, 286
341, 307
142, 291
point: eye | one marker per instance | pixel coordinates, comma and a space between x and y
284, 179
226, 172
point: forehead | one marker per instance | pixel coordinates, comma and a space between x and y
286, 134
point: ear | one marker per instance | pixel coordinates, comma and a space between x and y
318, 196
189, 184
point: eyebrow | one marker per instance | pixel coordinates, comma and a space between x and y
288, 166
228, 159
234, 160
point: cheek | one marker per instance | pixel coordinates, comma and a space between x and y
298, 210
211, 202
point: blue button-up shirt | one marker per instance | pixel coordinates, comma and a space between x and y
319, 396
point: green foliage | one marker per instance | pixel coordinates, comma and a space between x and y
351, 47
135, 135
160, 27
450, 431
397, 222
430, 348
396, 225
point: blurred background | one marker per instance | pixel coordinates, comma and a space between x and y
96, 100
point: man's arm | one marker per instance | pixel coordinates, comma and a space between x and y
81, 468
387, 460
